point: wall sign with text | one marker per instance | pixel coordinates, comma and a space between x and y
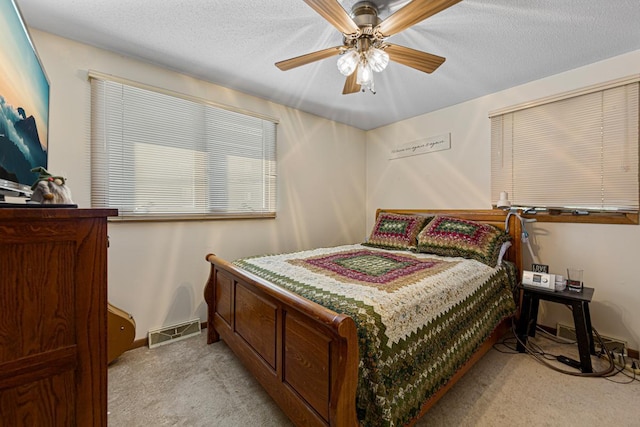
422, 146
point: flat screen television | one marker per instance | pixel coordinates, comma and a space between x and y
24, 105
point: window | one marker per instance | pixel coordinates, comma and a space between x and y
575, 151
160, 154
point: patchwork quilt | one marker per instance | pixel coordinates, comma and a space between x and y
419, 316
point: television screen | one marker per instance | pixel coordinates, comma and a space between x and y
24, 105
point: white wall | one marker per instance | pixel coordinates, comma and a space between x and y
157, 271
460, 178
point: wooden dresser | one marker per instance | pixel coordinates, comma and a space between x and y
53, 317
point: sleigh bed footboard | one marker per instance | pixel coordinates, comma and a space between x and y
303, 354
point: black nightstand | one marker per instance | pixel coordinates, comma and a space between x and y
579, 302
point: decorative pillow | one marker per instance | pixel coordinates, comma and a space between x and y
456, 237
396, 231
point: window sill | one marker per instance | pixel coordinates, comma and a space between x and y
590, 218
188, 217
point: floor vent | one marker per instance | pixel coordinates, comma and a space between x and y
173, 333
613, 344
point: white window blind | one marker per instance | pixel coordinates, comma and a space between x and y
156, 154
578, 152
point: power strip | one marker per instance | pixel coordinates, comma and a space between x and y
628, 366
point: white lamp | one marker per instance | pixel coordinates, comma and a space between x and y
504, 202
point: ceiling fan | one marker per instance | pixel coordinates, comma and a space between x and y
365, 49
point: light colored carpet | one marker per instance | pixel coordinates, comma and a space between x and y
190, 383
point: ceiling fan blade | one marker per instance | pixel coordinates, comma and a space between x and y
333, 12
419, 60
412, 13
288, 64
351, 85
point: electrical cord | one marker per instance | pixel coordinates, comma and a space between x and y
621, 370
509, 343
533, 349
540, 357
622, 367
542, 353
557, 339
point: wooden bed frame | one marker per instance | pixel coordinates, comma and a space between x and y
303, 354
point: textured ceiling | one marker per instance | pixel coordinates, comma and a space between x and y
490, 45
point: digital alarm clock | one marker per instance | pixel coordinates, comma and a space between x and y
542, 280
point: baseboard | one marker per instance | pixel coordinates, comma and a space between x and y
144, 342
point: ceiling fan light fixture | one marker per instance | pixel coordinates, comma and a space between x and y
348, 62
378, 59
365, 76
364, 49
